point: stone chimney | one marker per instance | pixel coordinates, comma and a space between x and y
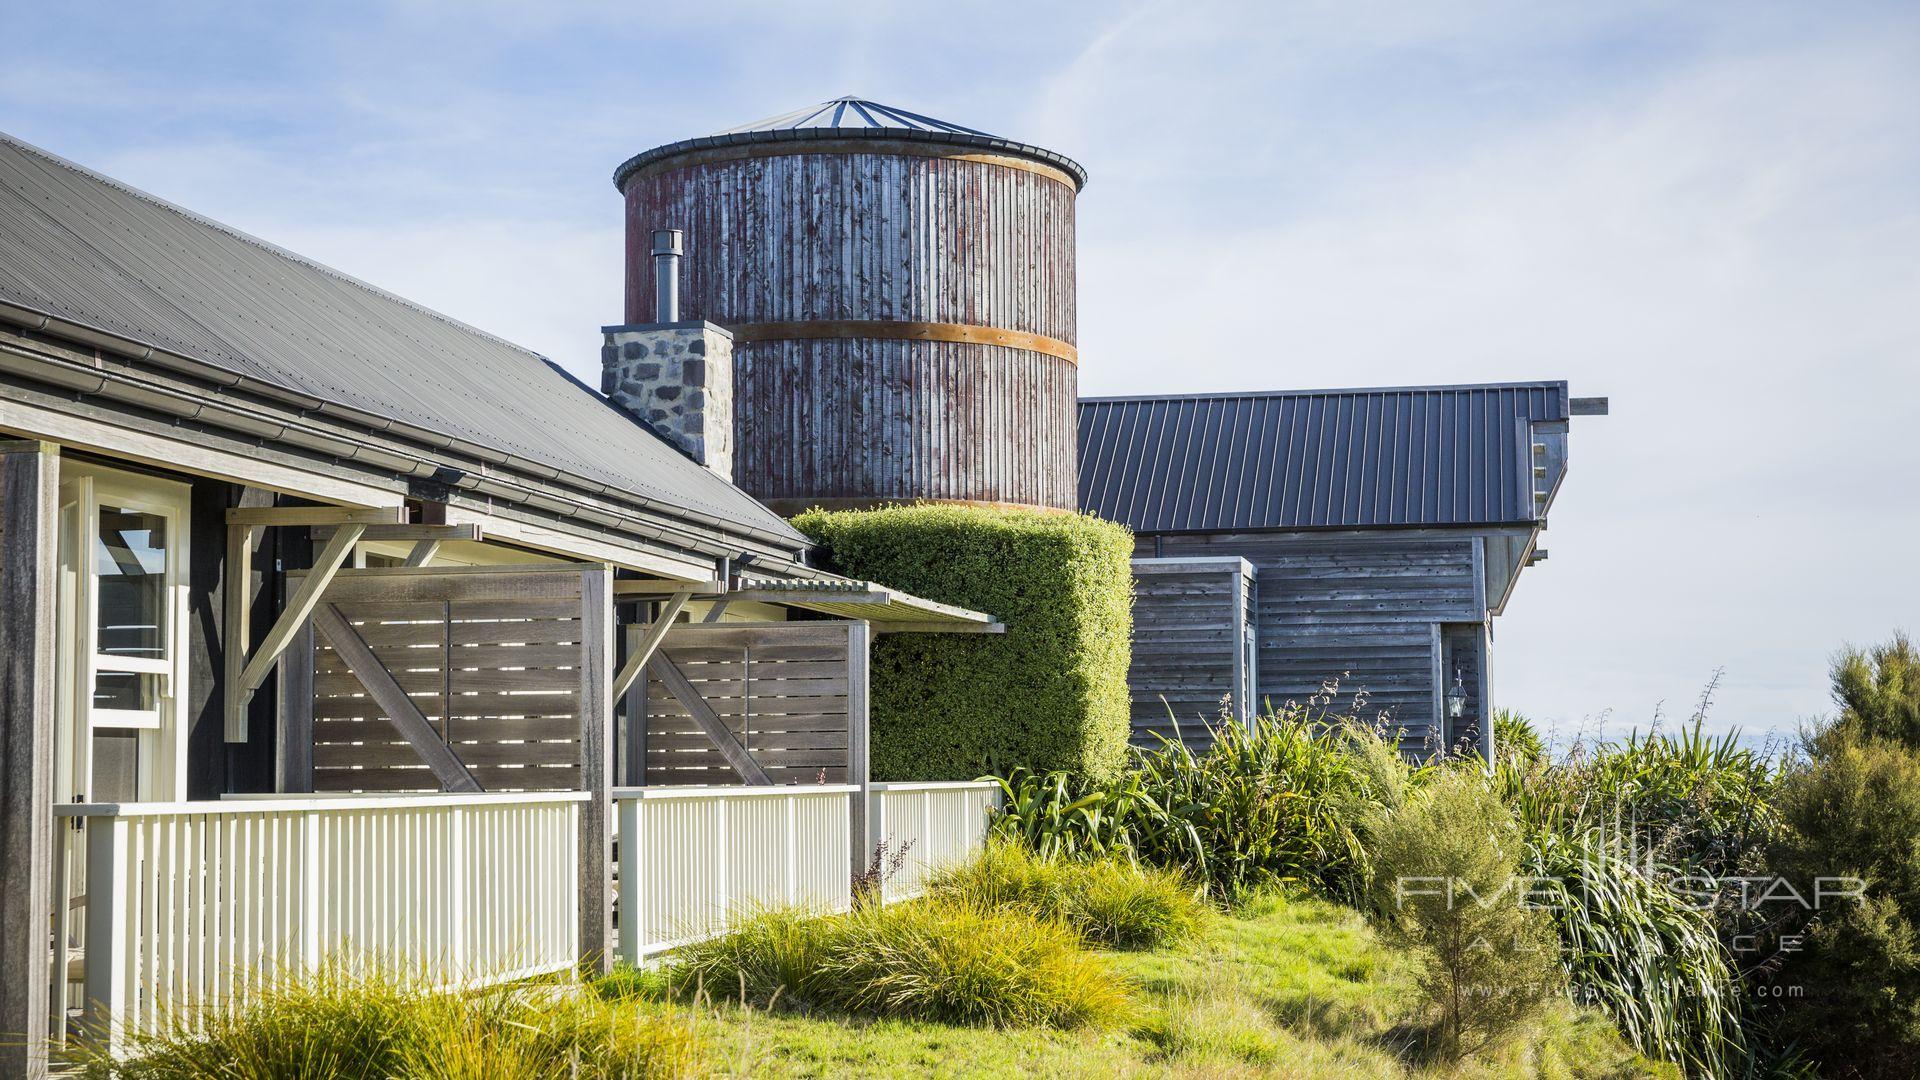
677, 376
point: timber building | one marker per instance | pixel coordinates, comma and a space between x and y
1291, 541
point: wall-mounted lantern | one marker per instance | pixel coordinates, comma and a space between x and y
1457, 696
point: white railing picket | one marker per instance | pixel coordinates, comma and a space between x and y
191, 905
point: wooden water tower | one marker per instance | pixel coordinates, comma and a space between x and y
901, 295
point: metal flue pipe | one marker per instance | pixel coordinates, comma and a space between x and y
666, 275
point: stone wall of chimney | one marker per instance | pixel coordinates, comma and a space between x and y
678, 377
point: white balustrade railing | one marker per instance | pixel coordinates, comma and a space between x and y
936, 824
694, 858
188, 905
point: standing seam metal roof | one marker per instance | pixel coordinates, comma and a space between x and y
90, 250
850, 118
1432, 455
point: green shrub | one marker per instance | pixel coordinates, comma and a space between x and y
1516, 740
1447, 881
1050, 693
1283, 802
1110, 902
1855, 812
340, 1025
926, 960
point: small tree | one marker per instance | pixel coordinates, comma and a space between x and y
1878, 691
1448, 884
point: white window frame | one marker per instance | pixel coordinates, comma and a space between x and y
85, 488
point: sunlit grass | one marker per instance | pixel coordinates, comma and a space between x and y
1293, 988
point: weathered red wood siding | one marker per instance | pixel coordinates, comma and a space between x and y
810, 237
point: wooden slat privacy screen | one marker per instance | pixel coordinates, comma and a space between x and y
781, 689
493, 659
1190, 648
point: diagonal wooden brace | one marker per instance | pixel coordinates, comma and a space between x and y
676, 681
406, 717
656, 633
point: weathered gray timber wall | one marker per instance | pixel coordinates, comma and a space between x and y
1190, 630
785, 694
834, 236
1358, 609
904, 321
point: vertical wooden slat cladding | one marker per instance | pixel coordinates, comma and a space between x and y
809, 237
860, 236
886, 419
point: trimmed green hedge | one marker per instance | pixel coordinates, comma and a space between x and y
1050, 693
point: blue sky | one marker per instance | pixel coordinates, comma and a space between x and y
1708, 212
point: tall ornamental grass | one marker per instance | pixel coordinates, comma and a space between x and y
1643, 952
1108, 902
1281, 802
946, 961
352, 1024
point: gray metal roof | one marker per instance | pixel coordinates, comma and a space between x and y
850, 118
1429, 455
90, 250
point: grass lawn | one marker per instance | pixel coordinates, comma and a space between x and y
1295, 988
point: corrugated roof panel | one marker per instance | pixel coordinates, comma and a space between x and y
1438, 455
88, 249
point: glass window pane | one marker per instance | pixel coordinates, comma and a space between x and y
130, 567
133, 691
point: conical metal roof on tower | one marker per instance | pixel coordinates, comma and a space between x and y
850, 118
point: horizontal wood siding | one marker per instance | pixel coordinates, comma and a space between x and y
1356, 610
879, 237
1185, 634
781, 689
498, 680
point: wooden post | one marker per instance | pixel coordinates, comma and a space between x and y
634, 746
1237, 625
29, 551
859, 639
596, 769
293, 739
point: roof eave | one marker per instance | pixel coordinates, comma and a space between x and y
541, 479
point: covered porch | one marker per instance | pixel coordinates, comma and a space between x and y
485, 761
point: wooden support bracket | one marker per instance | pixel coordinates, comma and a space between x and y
677, 683
299, 607
423, 552
406, 717
644, 651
